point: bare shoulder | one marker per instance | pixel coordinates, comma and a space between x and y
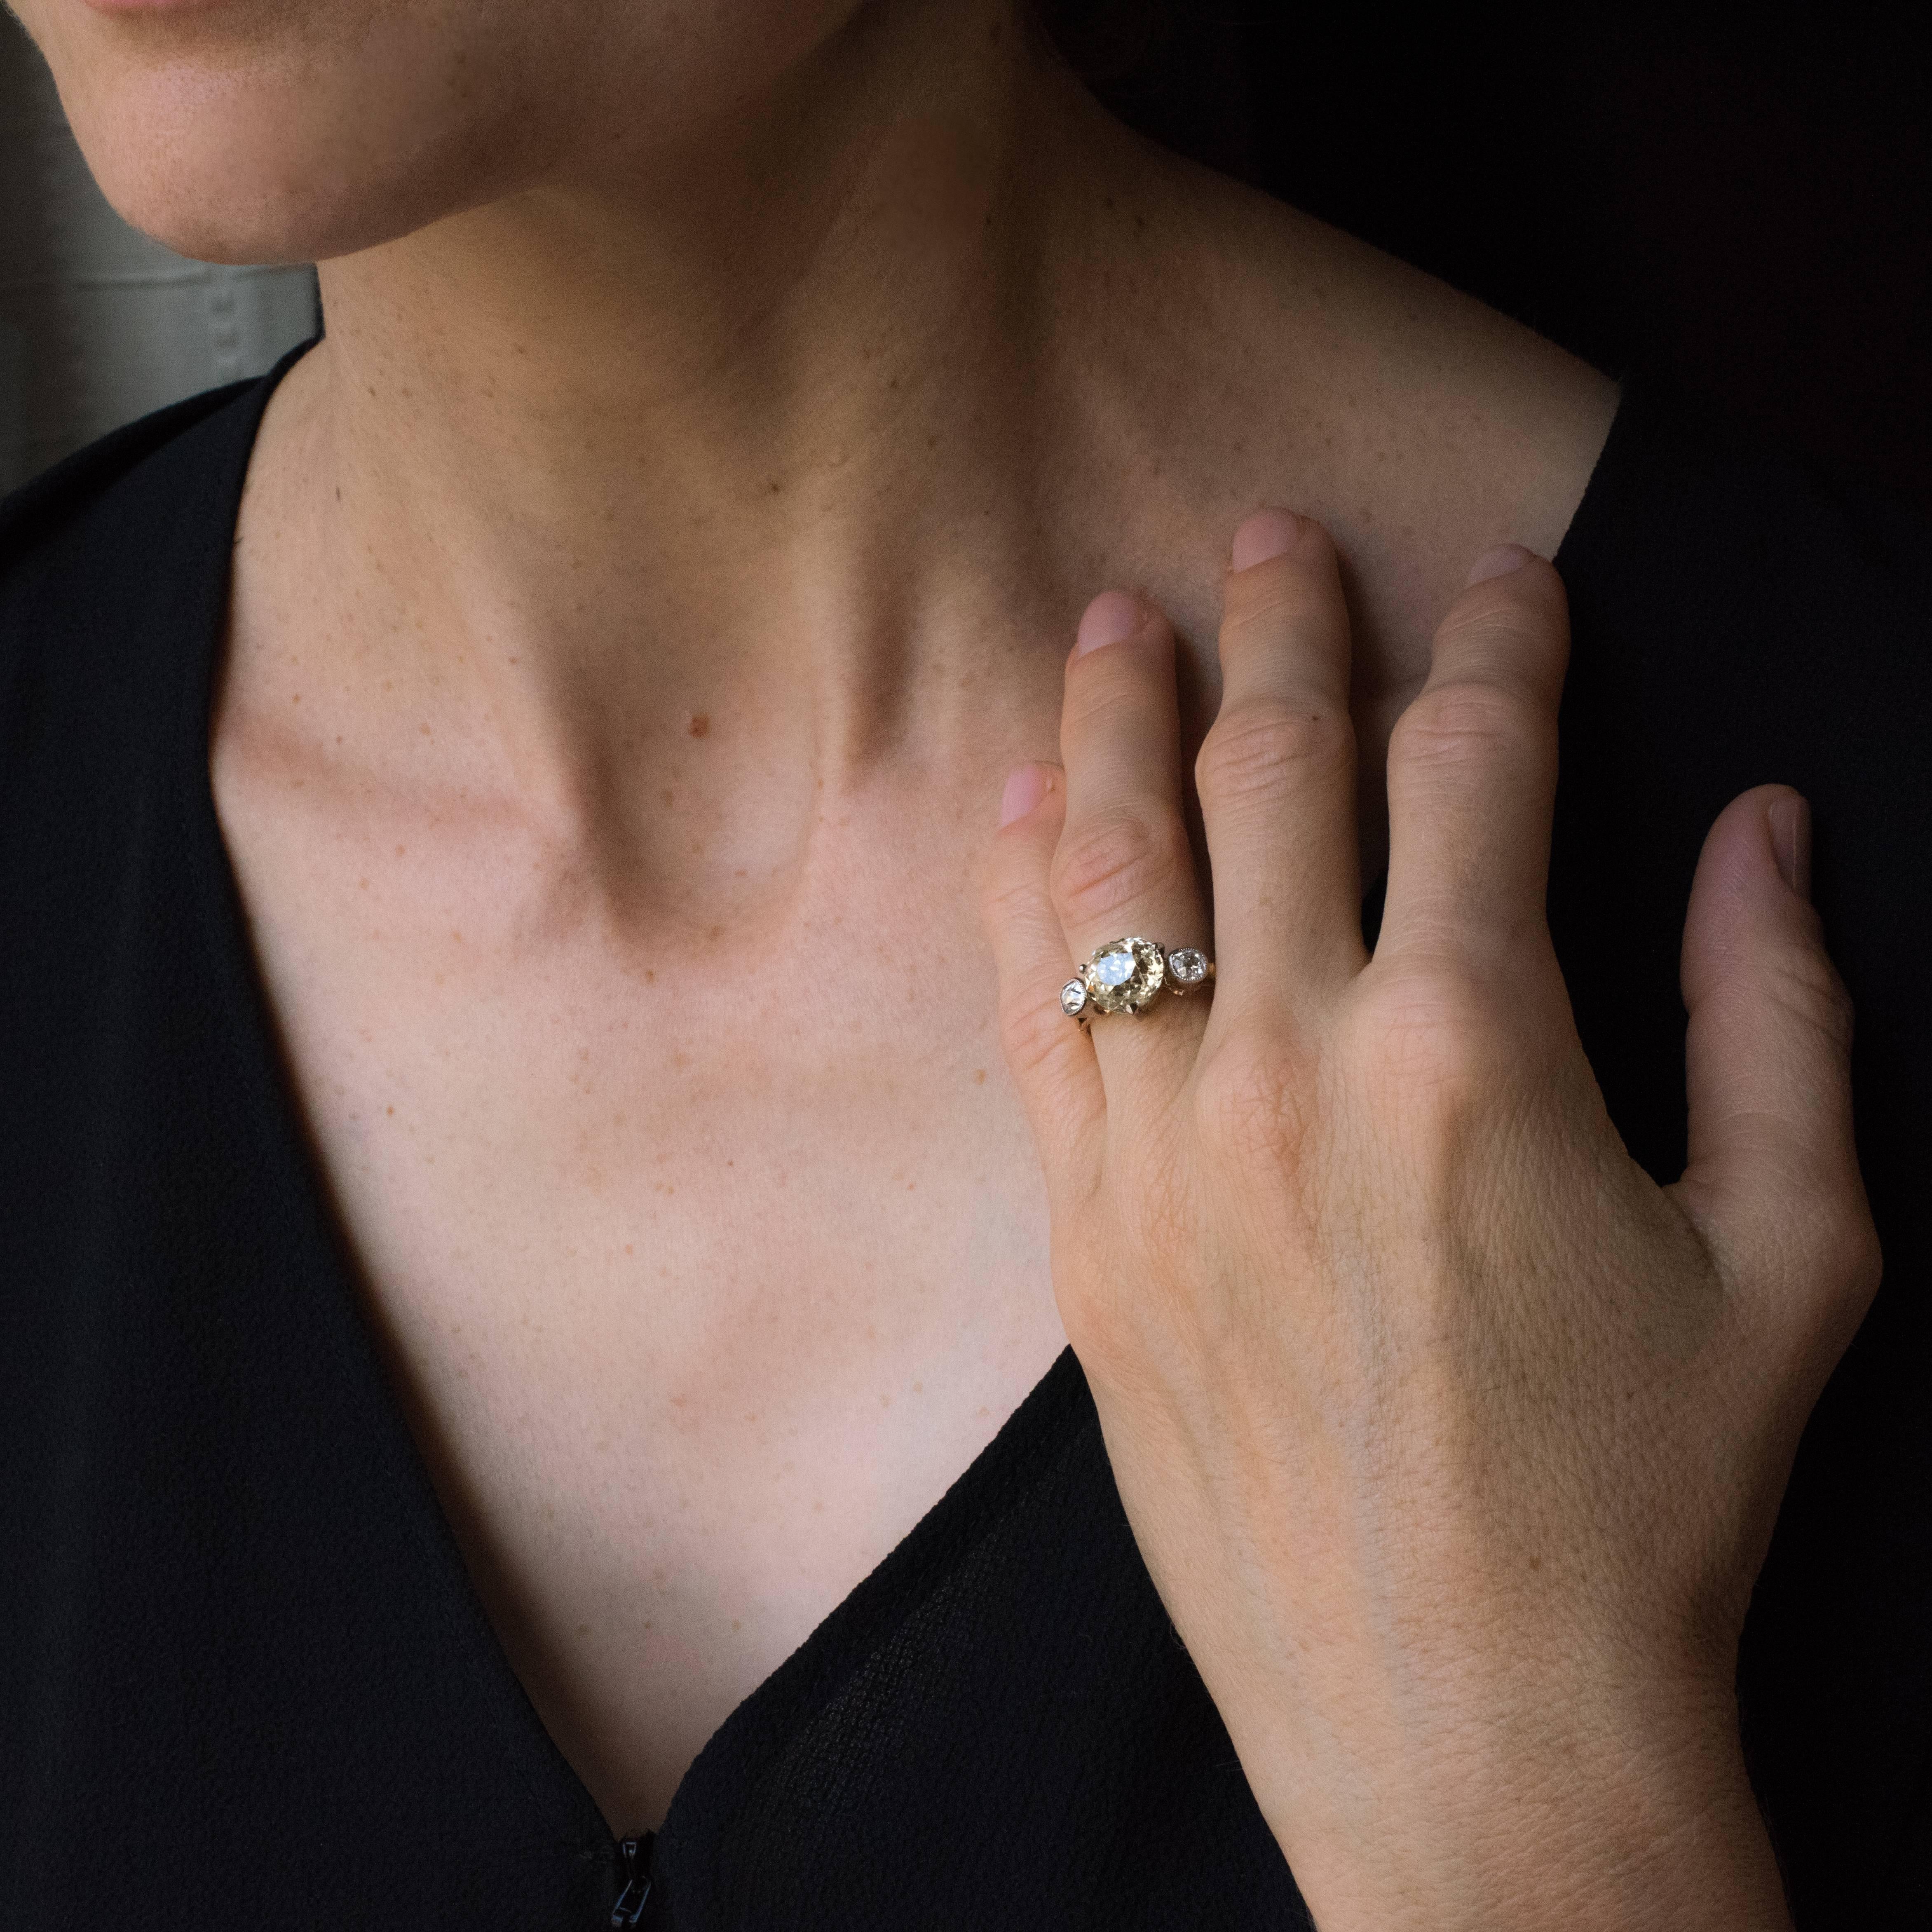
1291, 362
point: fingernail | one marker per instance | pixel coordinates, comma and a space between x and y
1113, 615
1268, 533
1026, 786
1497, 562
1791, 843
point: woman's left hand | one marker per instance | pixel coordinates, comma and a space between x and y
1452, 1441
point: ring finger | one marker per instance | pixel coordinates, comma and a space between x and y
1123, 868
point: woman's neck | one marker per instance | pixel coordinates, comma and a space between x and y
742, 444
711, 510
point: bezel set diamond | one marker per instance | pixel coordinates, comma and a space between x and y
1188, 966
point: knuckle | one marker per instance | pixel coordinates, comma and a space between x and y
1863, 1262
1857, 1259
1431, 1039
1263, 749
1834, 1252
1465, 722
1252, 1101
1121, 857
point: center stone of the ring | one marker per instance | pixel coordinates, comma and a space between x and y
1125, 975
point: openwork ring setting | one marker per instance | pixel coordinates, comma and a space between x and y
1127, 976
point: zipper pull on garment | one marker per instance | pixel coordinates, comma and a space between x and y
636, 1854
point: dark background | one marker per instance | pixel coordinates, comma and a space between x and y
1741, 202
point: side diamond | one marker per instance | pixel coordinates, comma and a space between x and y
1188, 966
1073, 998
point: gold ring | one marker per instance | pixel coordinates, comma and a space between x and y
1127, 976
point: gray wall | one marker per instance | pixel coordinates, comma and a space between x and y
98, 325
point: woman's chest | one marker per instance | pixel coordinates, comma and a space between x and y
698, 1286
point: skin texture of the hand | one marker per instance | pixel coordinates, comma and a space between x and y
1453, 1442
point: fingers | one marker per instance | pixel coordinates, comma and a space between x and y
1124, 867
1472, 772
1773, 1180
1051, 1059
1276, 773
1471, 781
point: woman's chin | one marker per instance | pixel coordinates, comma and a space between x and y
283, 153
264, 189
222, 220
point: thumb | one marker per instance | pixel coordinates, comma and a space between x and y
1773, 1183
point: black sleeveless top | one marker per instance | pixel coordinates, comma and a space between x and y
244, 1679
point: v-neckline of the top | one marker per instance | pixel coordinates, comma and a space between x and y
1042, 1415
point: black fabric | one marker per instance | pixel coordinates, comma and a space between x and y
244, 1677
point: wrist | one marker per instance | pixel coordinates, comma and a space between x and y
1654, 1839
